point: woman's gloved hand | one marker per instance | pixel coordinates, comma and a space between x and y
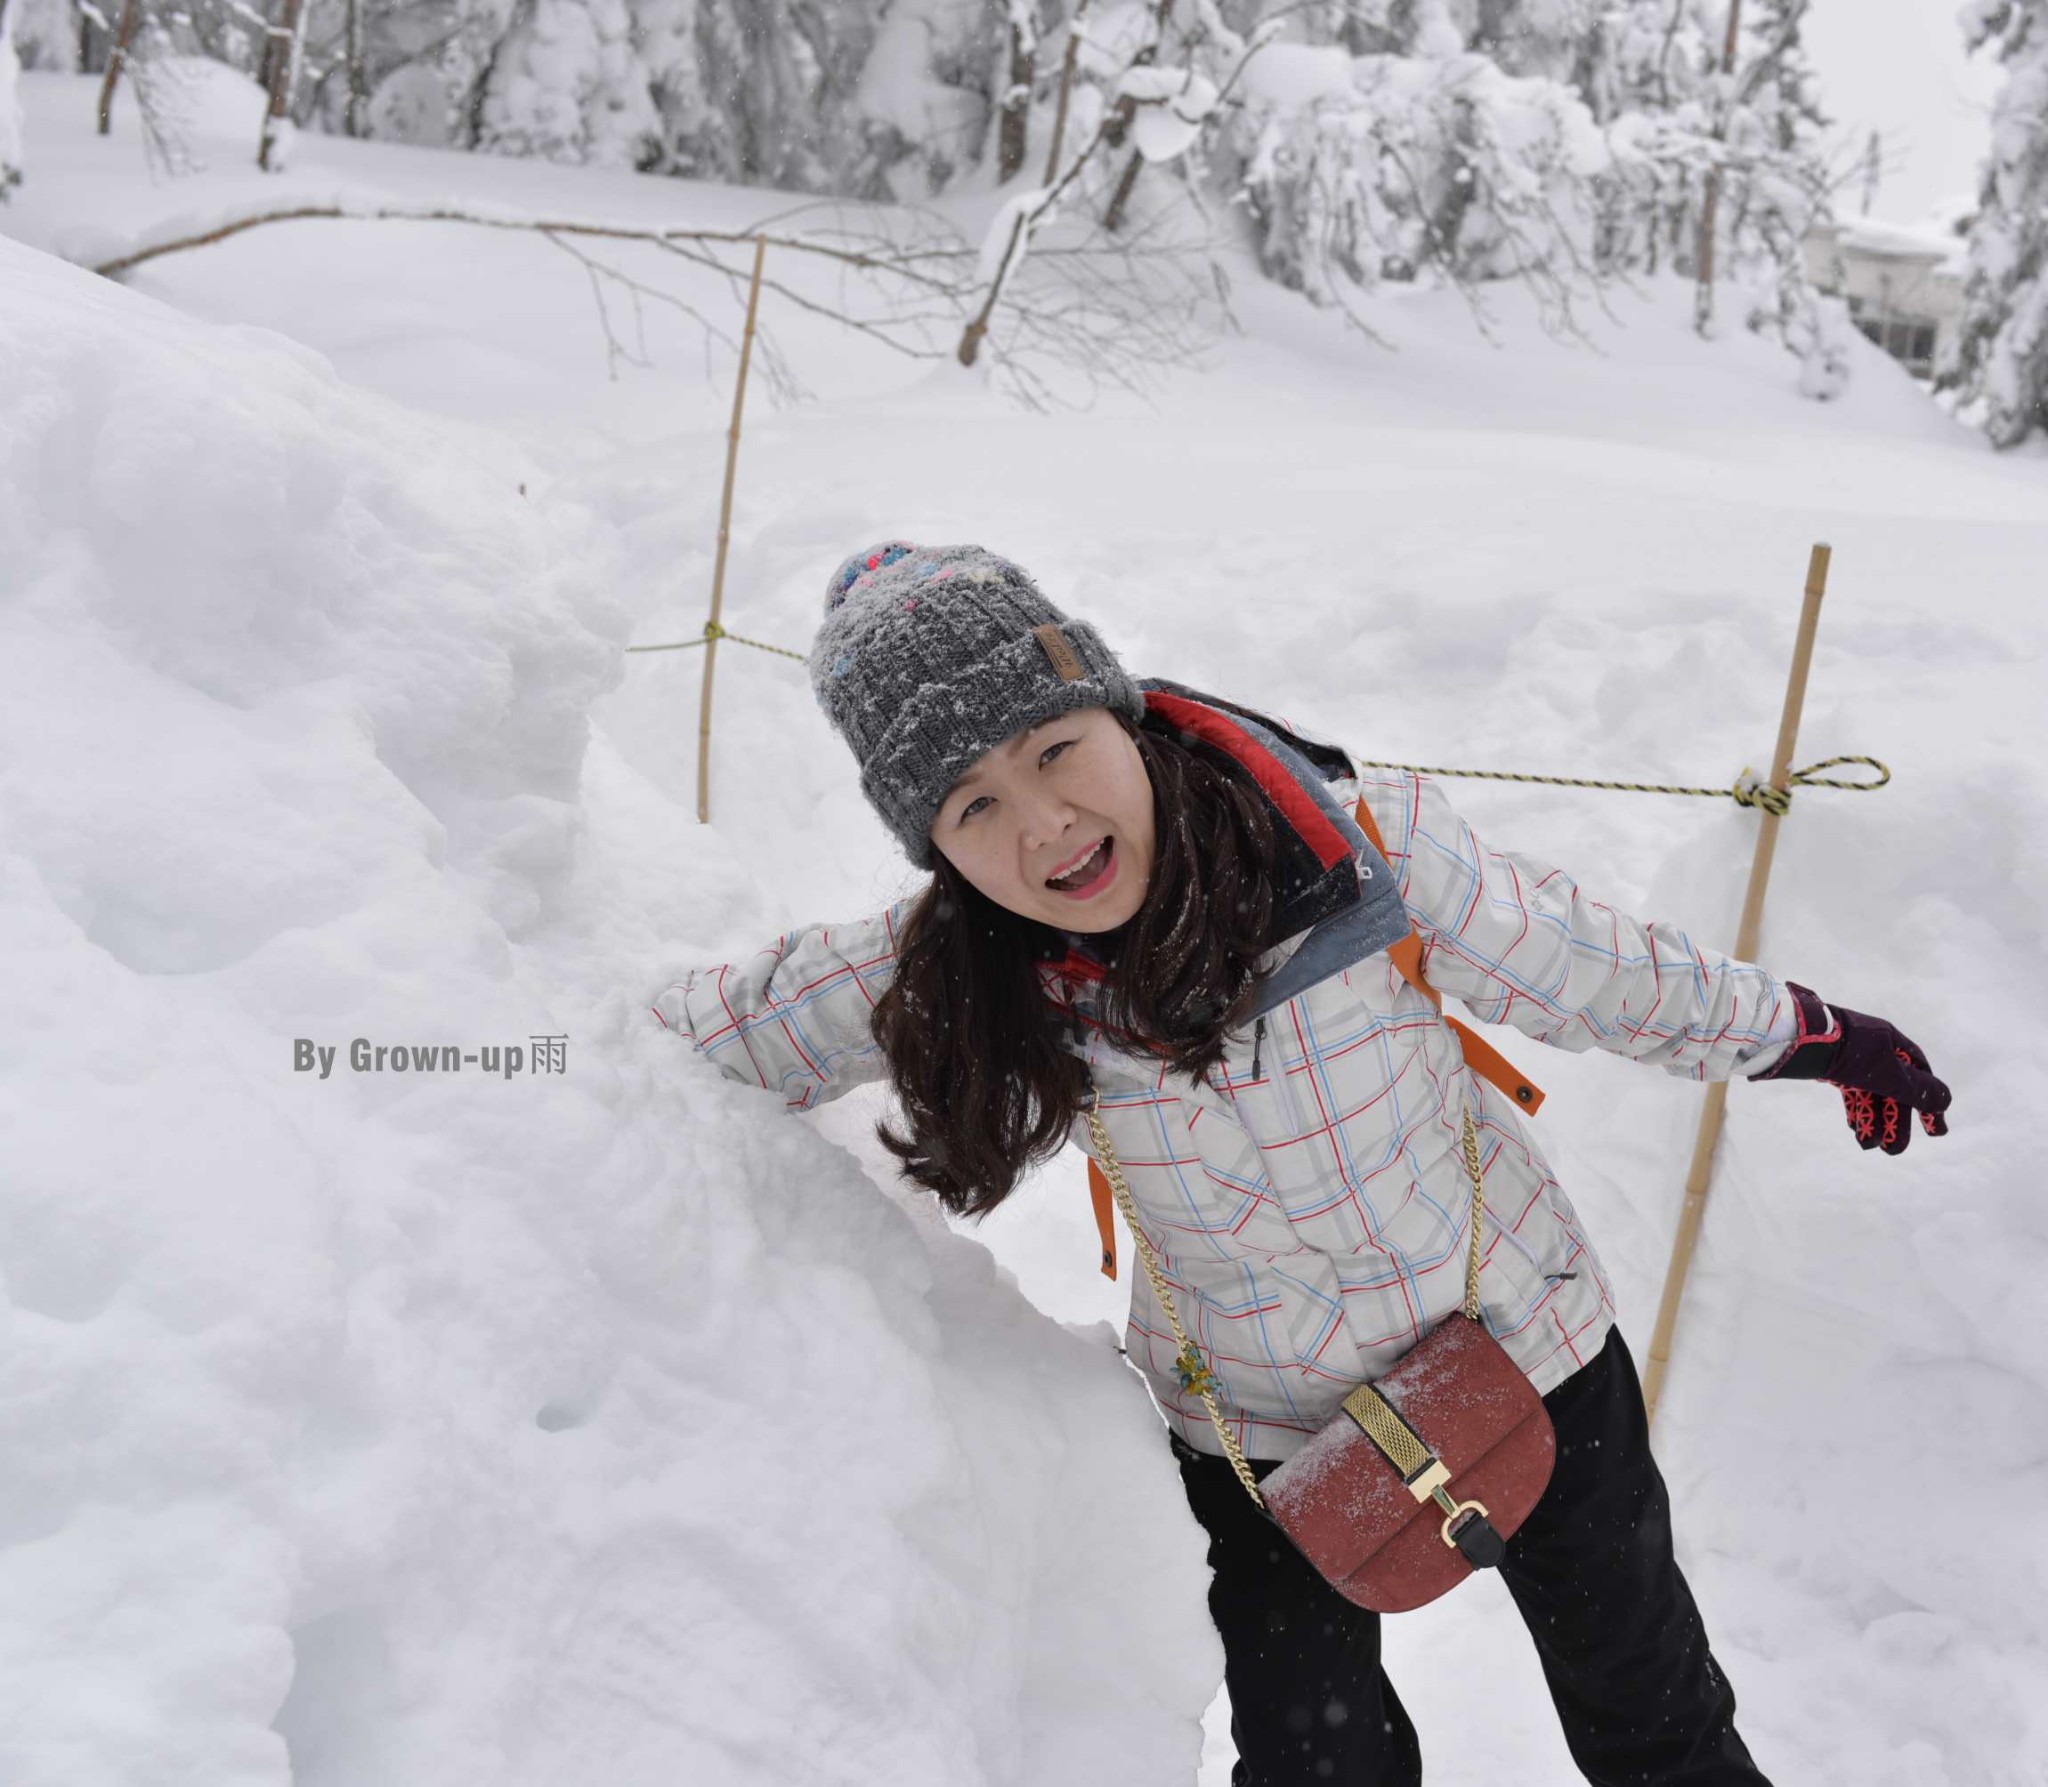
1881, 1074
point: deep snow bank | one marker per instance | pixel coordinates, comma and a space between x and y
440, 1427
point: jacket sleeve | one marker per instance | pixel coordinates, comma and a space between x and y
793, 1017
1520, 944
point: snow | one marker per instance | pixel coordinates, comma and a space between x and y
1172, 104
616, 1425
407, 1427
565, 85
1007, 238
1289, 75
1874, 236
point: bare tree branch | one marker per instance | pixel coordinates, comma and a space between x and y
1104, 312
557, 226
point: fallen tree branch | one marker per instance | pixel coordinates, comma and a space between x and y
538, 225
1098, 309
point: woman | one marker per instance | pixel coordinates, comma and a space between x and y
1162, 900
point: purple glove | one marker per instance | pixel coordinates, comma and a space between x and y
1880, 1073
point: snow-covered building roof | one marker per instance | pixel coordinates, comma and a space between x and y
1869, 236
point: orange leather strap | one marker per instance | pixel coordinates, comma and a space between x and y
1105, 1216
1480, 1055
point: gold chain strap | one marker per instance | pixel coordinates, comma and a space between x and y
1471, 1147
1194, 1374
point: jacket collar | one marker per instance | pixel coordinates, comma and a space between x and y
1333, 882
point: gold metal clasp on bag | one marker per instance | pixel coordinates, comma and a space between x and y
1430, 1481
1452, 1511
1425, 1476
1421, 1471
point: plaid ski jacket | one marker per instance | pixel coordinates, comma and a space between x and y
1309, 1203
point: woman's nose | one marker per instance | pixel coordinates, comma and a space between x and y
1046, 817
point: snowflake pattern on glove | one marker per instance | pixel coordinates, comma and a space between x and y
1878, 1122
1881, 1073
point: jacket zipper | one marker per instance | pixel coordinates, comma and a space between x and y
1258, 1036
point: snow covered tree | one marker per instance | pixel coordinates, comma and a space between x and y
1719, 162
858, 98
1998, 362
1362, 168
1652, 73
1775, 188
45, 34
1555, 141
1558, 142
1390, 139
1765, 122
1014, 106
1553, 40
566, 84
931, 86
10, 106
1645, 72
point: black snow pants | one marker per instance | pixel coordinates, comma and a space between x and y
1642, 1702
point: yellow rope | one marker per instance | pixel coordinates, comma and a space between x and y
1749, 790
712, 630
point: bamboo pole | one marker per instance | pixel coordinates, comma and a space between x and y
732, 458
1699, 1178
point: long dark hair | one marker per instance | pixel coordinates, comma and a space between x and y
972, 1042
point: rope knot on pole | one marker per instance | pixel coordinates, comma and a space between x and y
1751, 790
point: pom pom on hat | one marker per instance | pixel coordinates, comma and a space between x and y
861, 568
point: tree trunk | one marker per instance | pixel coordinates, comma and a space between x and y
1710, 200
94, 40
1113, 215
1016, 106
131, 12
1059, 117
284, 72
1703, 256
266, 63
1126, 108
352, 108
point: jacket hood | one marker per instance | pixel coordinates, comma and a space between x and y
1339, 901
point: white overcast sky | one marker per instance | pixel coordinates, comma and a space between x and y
1898, 66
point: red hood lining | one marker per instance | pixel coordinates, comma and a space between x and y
1308, 820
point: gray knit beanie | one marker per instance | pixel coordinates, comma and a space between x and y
930, 655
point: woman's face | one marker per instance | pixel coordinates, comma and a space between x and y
1045, 801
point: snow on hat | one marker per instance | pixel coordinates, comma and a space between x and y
930, 655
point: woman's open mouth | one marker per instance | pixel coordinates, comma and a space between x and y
1088, 878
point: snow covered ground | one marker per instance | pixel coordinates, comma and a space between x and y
614, 1426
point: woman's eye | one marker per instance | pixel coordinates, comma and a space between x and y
1044, 757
